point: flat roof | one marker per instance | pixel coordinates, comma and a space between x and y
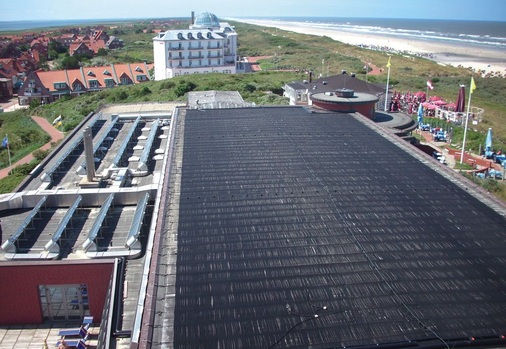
285, 214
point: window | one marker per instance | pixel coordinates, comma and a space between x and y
60, 85
141, 77
109, 82
77, 87
93, 83
64, 302
125, 80
106, 72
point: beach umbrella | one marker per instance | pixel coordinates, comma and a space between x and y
461, 100
488, 141
439, 102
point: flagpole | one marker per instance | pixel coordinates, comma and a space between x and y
388, 81
467, 120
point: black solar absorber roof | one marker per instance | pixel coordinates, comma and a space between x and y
302, 230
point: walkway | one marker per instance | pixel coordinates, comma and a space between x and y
50, 130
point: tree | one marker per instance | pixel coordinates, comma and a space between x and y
69, 62
57, 46
102, 52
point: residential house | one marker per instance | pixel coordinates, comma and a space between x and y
80, 48
114, 43
48, 86
11, 69
6, 91
66, 39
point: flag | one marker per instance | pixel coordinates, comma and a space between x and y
388, 64
57, 120
5, 142
473, 86
429, 84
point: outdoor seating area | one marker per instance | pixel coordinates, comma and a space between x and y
436, 107
78, 337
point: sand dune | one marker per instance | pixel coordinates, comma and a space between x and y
487, 61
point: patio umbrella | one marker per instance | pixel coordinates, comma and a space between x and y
488, 140
451, 106
461, 99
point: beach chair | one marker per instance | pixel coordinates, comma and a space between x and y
73, 343
75, 333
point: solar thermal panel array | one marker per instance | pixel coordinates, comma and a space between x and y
285, 215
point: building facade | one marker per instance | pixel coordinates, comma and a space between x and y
207, 47
48, 86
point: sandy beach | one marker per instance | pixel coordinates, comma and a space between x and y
486, 61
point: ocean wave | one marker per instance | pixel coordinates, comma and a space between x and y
462, 38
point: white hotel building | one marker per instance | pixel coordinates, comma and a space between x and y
207, 47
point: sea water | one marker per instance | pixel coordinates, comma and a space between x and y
487, 34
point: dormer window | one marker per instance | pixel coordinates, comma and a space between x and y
106, 72
60, 85
190, 36
180, 36
138, 69
209, 35
90, 73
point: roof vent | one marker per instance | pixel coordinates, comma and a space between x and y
345, 93
343, 71
324, 82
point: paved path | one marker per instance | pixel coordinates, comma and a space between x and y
50, 130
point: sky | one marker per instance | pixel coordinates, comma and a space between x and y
494, 10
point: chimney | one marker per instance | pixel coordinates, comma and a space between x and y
193, 18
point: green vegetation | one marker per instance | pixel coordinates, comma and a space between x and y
288, 57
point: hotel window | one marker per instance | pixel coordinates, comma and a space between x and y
93, 83
125, 80
170, 54
77, 87
109, 82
